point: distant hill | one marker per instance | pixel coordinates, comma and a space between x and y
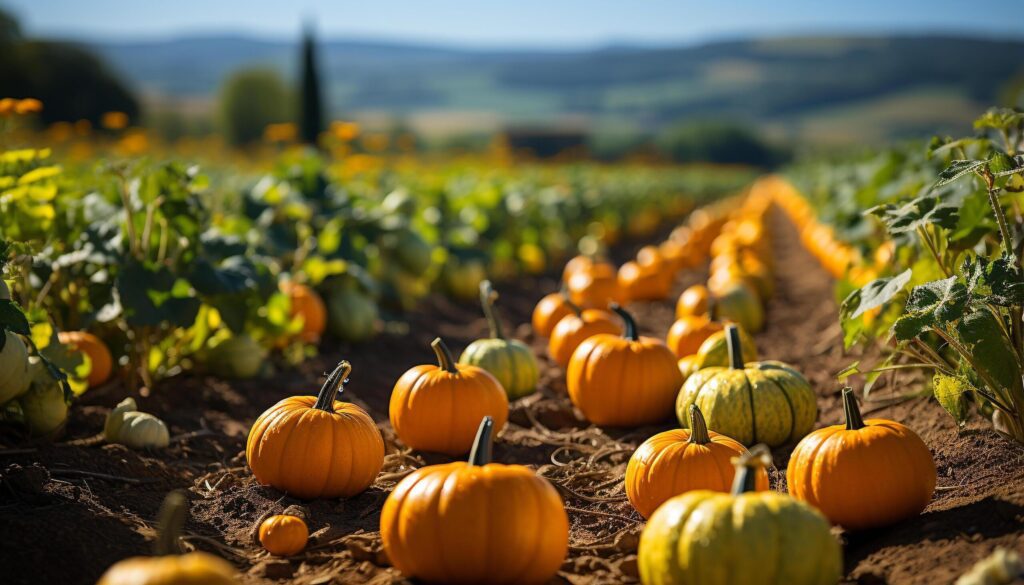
838, 89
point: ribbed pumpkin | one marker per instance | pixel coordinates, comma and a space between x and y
475, 522
169, 567
283, 534
694, 302
760, 402
688, 333
549, 311
100, 360
307, 305
509, 360
714, 351
680, 460
623, 381
864, 474
572, 330
739, 303
743, 537
316, 446
437, 408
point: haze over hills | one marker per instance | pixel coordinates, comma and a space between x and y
823, 89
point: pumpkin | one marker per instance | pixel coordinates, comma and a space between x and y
864, 474
169, 567
571, 331
462, 277
745, 536
739, 303
590, 290
44, 405
15, 375
549, 311
437, 408
695, 301
283, 534
351, 315
100, 360
307, 305
687, 366
509, 360
714, 351
623, 381
678, 461
316, 446
760, 402
686, 335
586, 264
138, 430
643, 283
432, 531
408, 247
238, 356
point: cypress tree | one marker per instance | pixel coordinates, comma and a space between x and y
311, 121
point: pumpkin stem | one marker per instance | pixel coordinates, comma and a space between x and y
712, 305
170, 523
576, 309
334, 385
481, 453
747, 466
698, 427
732, 340
854, 420
630, 332
487, 297
445, 361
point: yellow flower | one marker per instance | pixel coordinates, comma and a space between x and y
28, 106
114, 120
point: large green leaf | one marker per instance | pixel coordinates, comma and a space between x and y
958, 169
990, 350
998, 282
874, 294
932, 304
151, 295
952, 393
917, 213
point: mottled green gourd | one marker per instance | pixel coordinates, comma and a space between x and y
239, 356
44, 406
508, 360
351, 315
14, 371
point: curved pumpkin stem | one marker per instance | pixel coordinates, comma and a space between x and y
732, 339
170, 523
481, 453
630, 332
747, 465
487, 297
334, 386
445, 361
854, 420
698, 427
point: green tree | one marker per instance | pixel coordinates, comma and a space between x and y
311, 121
249, 100
718, 142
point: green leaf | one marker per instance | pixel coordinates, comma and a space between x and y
952, 392
998, 282
958, 169
983, 336
917, 213
13, 319
999, 119
932, 304
874, 294
151, 295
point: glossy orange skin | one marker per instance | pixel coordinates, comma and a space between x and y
594, 291
586, 265
548, 312
460, 523
688, 333
435, 410
667, 465
283, 535
693, 302
619, 382
644, 283
572, 330
865, 478
310, 453
306, 303
92, 346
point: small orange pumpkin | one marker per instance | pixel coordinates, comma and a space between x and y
549, 311
688, 333
694, 301
437, 408
572, 330
316, 446
623, 381
644, 282
308, 305
864, 474
102, 363
592, 290
284, 535
680, 460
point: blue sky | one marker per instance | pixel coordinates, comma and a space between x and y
532, 23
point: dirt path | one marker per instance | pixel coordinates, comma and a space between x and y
62, 521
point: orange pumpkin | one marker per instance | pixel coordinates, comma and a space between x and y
688, 333
650, 257
437, 408
864, 474
594, 291
283, 535
623, 381
433, 528
316, 446
643, 282
680, 460
308, 305
101, 362
694, 301
572, 330
549, 311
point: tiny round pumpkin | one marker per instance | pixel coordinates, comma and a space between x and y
714, 351
760, 402
437, 408
695, 301
316, 446
864, 474
623, 381
283, 535
307, 305
238, 356
100, 360
432, 531
745, 536
509, 360
680, 460
688, 333
572, 330
138, 430
549, 311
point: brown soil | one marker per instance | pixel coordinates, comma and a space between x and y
70, 510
